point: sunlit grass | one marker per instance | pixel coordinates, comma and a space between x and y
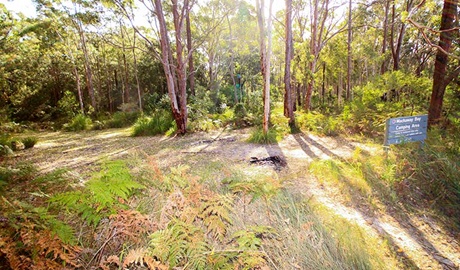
259, 136
315, 237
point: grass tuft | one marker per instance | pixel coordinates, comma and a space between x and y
78, 123
29, 142
258, 136
159, 123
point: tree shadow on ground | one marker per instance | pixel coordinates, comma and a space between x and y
397, 213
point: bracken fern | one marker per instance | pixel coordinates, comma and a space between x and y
103, 194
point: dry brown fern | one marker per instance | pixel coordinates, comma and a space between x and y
40, 250
173, 208
135, 257
48, 245
131, 225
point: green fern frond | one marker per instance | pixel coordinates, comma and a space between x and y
178, 178
89, 214
113, 181
100, 197
251, 260
215, 214
179, 244
251, 238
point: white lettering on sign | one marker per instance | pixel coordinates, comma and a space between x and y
406, 127
418, 119
415, 125
402, 121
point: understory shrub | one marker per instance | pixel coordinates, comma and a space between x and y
79, 123
319, 123
434, 171
104, 194
29, 142
122, 119
258, 136
32, 236
159, 123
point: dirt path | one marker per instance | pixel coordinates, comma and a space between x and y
418, 241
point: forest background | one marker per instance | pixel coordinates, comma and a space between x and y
324, 67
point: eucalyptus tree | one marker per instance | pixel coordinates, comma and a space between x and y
324, 22
447, 49
288, 102
265, 42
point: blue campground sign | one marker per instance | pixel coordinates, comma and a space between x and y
406, 129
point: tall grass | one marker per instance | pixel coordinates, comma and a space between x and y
29, 142
427, 178
315, 238
259, 136
158, 123
79, 123
122, 119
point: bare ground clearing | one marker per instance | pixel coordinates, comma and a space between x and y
419, 241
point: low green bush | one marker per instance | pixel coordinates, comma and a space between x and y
318, 123
122, 119
29, 142
258, 136
158, 123
78, 123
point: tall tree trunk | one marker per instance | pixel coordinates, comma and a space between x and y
139, 96
88, 70
165, 60
181, 68
267, 70
265, 53
232, 64
117, 88
396, 47
323, 85
127, 91
383, 68
319, 16
175, 68
349, 93
80, 96
191, 67
313, 42
441, 78
288, 103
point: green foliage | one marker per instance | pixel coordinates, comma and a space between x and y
215, 214
5, 143
159, 123
249, 241
104, 193
20, 173
262, 187
180, 244
251, 238
5, 139
29, 142
79, 123
122, 119
318, 239
240, 111
68, 105
154, 102
435, 173
32, 236
318, 123
259, 136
